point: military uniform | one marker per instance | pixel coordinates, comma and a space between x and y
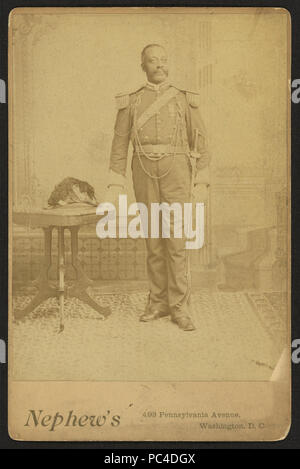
161, 122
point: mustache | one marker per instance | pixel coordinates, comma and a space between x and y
161, 71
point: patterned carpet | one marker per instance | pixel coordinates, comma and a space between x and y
239, 336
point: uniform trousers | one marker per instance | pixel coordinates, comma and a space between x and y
167, 257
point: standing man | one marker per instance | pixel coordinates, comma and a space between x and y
169, 147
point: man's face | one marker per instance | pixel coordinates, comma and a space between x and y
155, 64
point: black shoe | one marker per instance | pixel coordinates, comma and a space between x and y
184, 323
152, 315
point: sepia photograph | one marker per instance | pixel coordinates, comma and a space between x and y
149, 275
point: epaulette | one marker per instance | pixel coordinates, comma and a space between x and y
193, 97
123, 99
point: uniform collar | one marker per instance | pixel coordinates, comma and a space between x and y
158, 87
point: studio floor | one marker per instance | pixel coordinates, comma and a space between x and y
239, 336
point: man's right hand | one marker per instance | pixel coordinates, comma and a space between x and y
116, 185
111, 194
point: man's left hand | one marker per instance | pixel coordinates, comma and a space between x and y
200, 192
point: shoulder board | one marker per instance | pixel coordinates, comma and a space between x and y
123, 99
193, 97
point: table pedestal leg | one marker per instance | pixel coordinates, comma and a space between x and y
45, 291
78, 290
61, 275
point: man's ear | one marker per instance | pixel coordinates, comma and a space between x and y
143, 67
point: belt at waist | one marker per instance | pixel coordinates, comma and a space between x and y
163, 149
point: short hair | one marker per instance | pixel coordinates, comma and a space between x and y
148, 47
